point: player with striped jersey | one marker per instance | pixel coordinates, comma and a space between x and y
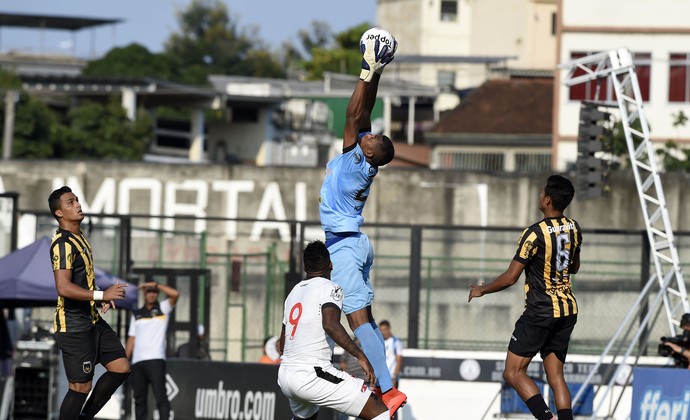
83, 337
549, 253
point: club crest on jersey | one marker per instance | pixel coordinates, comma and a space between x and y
527, 247
337, 293
358, 158
86, 367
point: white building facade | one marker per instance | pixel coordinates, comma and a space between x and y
656, 33
522, 29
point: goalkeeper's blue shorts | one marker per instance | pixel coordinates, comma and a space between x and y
352, 258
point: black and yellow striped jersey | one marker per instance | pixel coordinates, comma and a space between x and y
547, 249
69, 251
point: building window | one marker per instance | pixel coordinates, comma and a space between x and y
554, 23
679, 78
471, 161
602, 90
532, 162
449, 10
245, 115
445, 78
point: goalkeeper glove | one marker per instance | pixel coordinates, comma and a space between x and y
375, 56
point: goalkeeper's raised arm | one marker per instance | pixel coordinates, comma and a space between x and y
378, 49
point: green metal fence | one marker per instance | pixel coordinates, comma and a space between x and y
421, 276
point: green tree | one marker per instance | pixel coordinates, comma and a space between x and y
133, 60
672, 157
340, 54
36, 127
103, 131
209, 41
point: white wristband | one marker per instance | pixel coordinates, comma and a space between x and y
97, 295
366, 75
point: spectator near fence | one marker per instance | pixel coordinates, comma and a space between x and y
146, 347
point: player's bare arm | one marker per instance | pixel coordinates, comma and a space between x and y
67, 289
376, 54
171, 293
129, 346
505, 280
358, 112
330, 319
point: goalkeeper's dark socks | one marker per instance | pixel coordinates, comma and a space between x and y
538, 408
565, 414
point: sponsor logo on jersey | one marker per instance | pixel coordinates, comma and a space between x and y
560, 228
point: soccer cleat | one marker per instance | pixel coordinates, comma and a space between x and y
393, 399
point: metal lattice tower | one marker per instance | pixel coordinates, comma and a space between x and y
667, 273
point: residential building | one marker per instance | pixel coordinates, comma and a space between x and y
457, 43
661, 53
504, 125
278, 122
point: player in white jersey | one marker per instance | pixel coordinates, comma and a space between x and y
311, 323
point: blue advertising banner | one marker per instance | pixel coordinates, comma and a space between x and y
660, 394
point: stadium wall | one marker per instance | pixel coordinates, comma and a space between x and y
398, 196
212, 194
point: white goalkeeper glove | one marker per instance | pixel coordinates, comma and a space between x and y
375, 56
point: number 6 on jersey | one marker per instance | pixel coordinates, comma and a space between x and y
295, 314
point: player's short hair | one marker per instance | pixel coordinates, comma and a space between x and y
54, 199
385, 153
561, 191
385, 323
316, 257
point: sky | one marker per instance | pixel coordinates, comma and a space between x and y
149, 22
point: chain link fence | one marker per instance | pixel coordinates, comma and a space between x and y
421, 277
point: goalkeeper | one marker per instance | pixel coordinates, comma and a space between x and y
343, 194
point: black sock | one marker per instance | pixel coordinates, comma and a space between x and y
71, 404
538, 408
104, 389
565, 414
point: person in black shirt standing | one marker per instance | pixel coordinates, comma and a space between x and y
549, 251
80, 333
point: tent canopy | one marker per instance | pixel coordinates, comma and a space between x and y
26, 278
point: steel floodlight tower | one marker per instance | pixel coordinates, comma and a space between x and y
667, 274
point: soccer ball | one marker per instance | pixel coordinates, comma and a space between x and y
382, 35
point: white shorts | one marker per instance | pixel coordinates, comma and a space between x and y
309, 388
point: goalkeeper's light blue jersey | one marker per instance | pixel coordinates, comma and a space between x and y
345, 189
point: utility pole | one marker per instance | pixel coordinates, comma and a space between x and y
11, 97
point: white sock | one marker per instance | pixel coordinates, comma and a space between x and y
382, 416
